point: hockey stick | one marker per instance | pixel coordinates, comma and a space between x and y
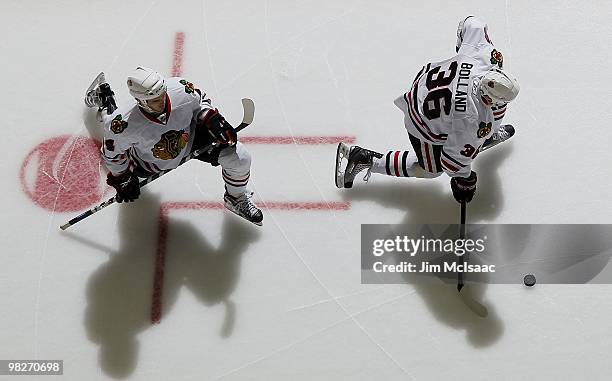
460, 281
247, 118
475, 306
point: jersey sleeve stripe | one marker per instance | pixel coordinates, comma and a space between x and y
447, 156
388, 163
117, 156
116, 159
448, 166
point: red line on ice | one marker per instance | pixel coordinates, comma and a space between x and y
177, 60
305, 140
166, 207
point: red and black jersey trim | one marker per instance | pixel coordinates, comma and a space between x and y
415, 115
448, 166
423, 70
451, 164
120, 157
454, 162
427, 154
499, 112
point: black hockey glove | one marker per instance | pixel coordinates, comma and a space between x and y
464, 187
127, 186
218, 127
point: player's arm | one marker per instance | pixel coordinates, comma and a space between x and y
116, 160
115, 154
210, 118
460, 149
472, 33
458, 153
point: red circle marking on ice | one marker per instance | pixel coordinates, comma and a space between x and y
62, 174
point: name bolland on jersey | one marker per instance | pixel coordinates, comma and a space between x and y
443, 106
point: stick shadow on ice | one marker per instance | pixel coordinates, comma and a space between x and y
119, 292
430, 202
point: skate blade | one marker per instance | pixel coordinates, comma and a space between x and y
342, 153
231, 208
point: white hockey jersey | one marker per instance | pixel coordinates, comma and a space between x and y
443, 105
133, 137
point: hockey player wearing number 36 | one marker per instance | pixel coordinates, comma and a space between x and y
453, 111
167, 119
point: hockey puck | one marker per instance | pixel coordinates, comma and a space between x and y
529, 280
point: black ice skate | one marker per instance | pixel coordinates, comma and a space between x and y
99, 94
504, 133
244, 207
358, 160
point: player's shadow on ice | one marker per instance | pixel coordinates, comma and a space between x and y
431, 202
119, 293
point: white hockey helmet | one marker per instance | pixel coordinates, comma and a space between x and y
500, 86
145, 84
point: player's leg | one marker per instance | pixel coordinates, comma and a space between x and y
401, 164
235, 162
236, 168
427, 155
422, 161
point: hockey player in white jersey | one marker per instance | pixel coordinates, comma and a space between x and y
453, 111
167, 119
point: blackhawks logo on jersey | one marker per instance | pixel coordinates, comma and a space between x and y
484, 129
497, 58
170, 145
118, 125
188, 86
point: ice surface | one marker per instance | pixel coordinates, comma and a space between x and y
285, 301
